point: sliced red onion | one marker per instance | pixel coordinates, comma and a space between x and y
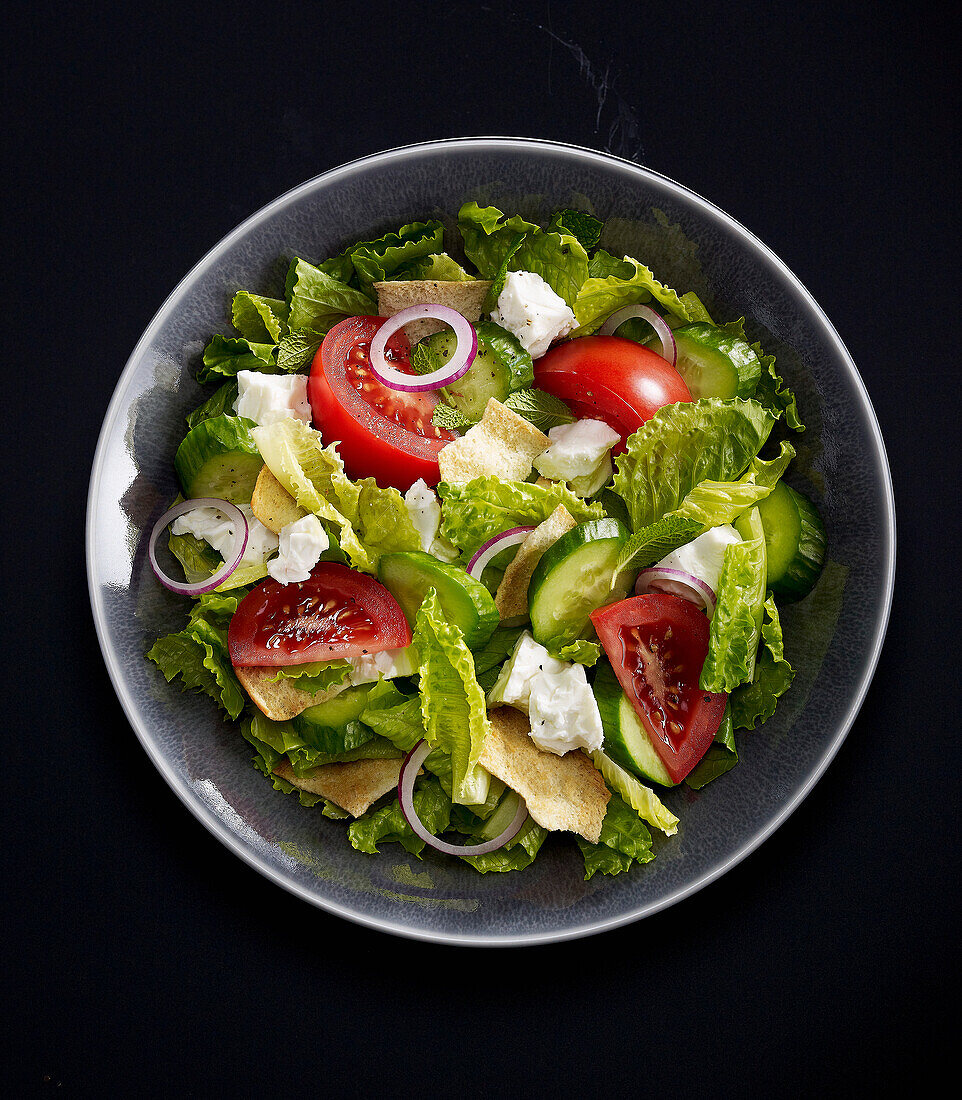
683, 584
493, 547
668, 349
456, 366
231, 559
405, 786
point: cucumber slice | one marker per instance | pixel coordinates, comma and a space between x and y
487, 376
465, 601
502, 816
794, 541
219, 458
574, 578
714, 363
627, 741
323, 726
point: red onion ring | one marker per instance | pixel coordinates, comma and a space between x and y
405, 786
478, 564
457, 365
698, 591
231, 560
668, 349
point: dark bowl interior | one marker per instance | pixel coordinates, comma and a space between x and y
833, 637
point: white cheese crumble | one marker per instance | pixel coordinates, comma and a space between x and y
389, 663
577, 450
702, 557
425, 511
301, 544
530, 309
267, 398
217, 531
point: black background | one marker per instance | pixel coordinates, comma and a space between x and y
140, 957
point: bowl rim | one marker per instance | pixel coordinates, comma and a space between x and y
203, 812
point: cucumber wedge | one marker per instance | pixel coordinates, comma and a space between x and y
487, 376
627, 741
574, 578
219, 458
324, 725
714, 363
794, 541
465, 601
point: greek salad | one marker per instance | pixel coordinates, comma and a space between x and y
486, 538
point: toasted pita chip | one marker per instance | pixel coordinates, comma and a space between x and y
511, 599
561, 792
272, 504
354, 786
502, 444
466, 297
282, 700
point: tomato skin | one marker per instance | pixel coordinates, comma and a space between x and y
370, 444
612, 379
337, 613
657, 644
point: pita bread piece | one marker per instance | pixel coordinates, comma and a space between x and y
354, 786
563, 793
511, 599
282, 700
502, 444
272, 504
466, 297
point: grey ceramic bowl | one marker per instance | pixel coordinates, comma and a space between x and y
833, 637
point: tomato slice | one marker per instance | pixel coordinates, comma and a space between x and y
336, 613
382, 433
612, 379
657, 645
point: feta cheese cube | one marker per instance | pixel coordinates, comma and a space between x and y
513, 686
702, 557
563, 712
301, 544
577, 450
529, 308
266, 398
389, 663
425, 511
211, 525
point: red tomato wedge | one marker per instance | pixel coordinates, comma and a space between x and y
337, 613
657, 645
612, 379
381, 433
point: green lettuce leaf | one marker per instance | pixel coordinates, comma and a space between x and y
517, 854
616, 283
220, 402
318, 300
580, 651
490, 302
721, 757
387, 824
774, 394
713, 503
646, 804
259, 319
475, 512
682, 445
736, 624
224, 356
507, 349
375, 260
440, 267
773, 676
488, 236
453, 706
624, 841
314, 676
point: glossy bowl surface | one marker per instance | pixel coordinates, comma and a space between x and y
833, 637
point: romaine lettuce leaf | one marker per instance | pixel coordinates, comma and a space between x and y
318, 300
721, 756
716, 502
682, 445
517, 854
224, 356
774, 394
643, 800
624, 841
387, 824
453, 706
263, 320
484, 507
616, 283
314, 676
736, 623
375, 260
488, 236
438, 266
580, 651
221, 401
773, 676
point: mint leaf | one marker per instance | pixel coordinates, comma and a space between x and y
544, 410
296, 351
585, 228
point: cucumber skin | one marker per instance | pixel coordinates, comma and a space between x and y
713, 341
805, 568
615, 708
344, 707
395, 572
470, 393
220, 435
607, 529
